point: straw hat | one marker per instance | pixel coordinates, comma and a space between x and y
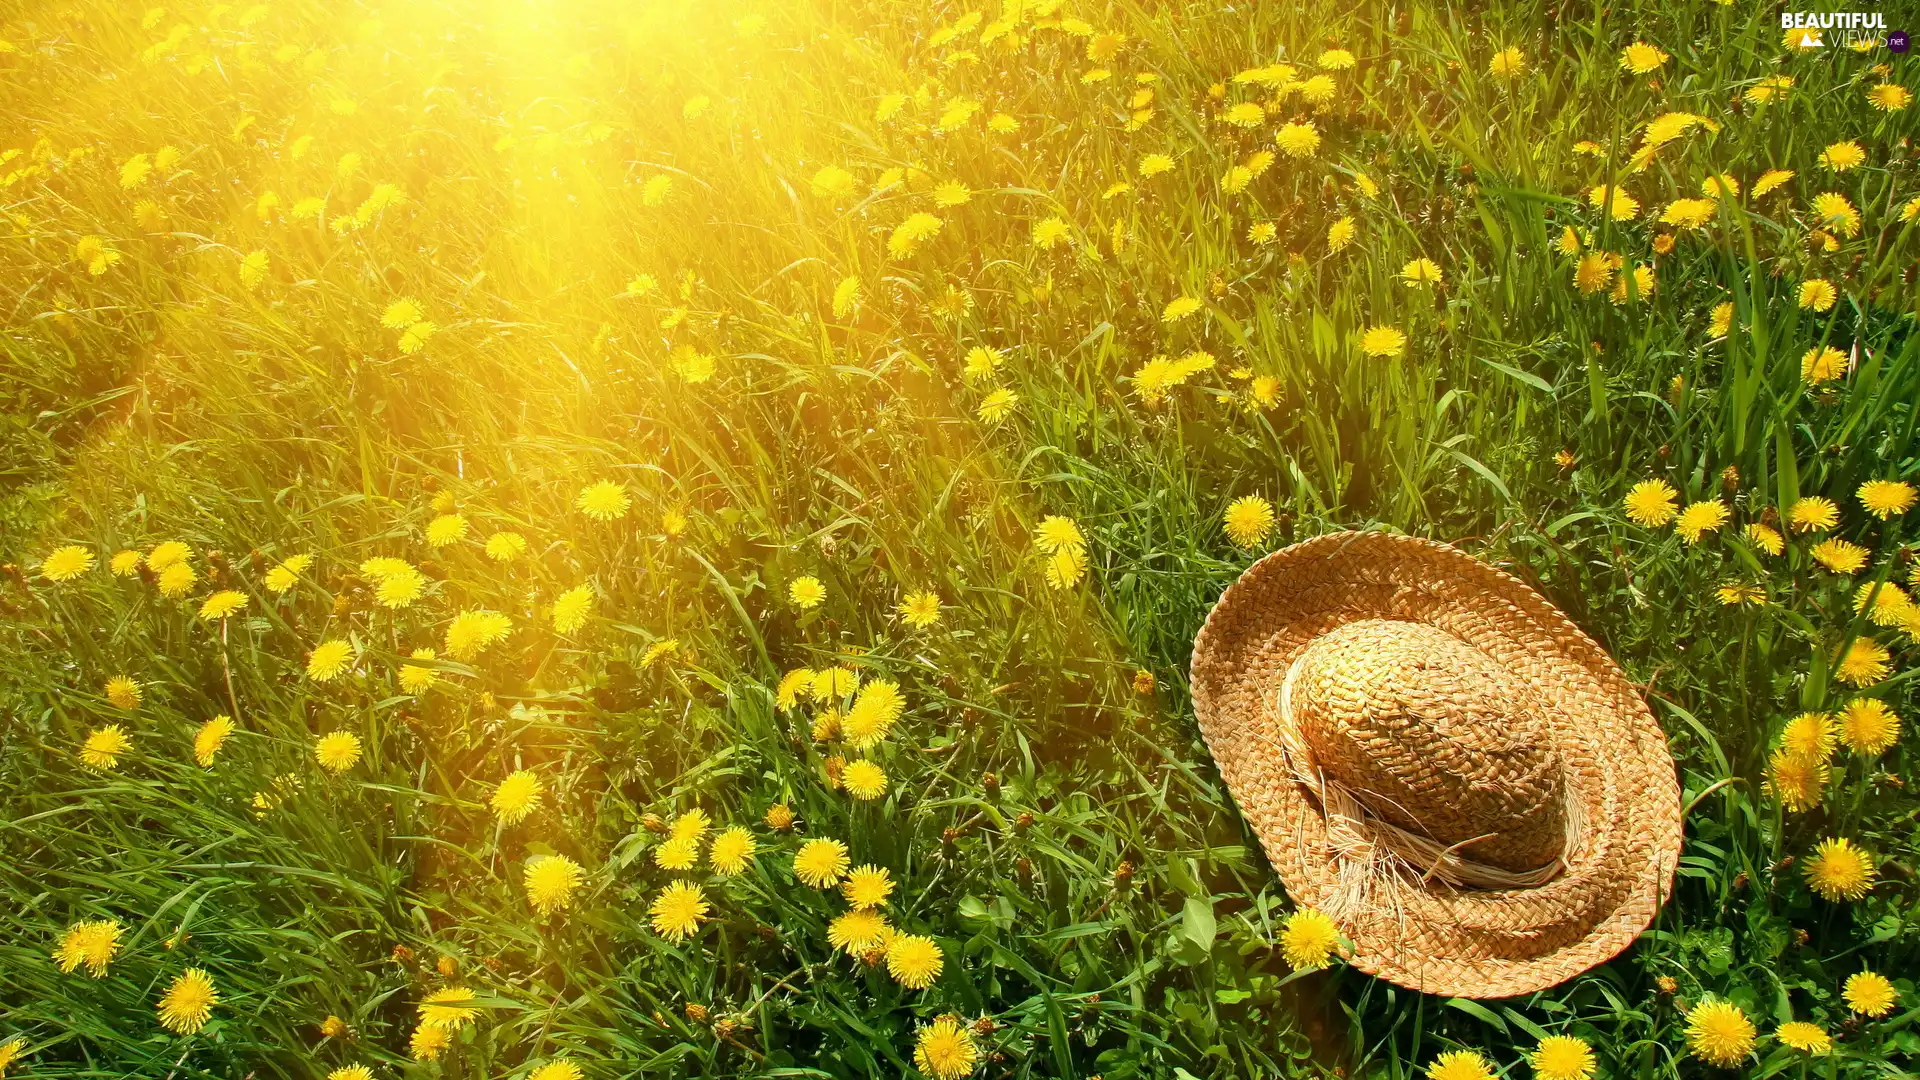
1438, 759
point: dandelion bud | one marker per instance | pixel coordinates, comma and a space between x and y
402, 954
654, 823
447, 966
696, 1012
1023, 822
985, 1026
1024, 867
1667, 984
1123, 875
1143, 682
991, 783
1730, 480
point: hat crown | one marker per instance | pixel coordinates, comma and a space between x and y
1433, 736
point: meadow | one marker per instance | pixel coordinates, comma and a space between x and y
577, 539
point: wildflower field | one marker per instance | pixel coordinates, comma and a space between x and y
603, 539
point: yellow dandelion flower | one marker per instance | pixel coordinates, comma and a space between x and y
821, 863
1340, 234
864, 780
1719, 1033
945, 1050
517, 797
448, 1009
1810, 1038
418, 678
1869, 993
806, 592
914, 961
123, 693
506, 546
917, 229
1883, 603
571, 608
1297, 139
1249, 520
857, 931
1864, 663
1766, 538
428, 1043
603, 500
1810, 735
1562, 1057
1179, 308
1651, 503
103, 747
175, 580
678, 911
446, 529
557, 1069
1309, 940
1508, 63
1839, 871
1066, 567
1868, 726
210, 737
1460, 1065
1839, 556
1889, 97
287, 573
867, 886
1641, 58
1422, 271
1818, 294
91, 944
66, 563
1823, 365
126, 563
472, 632
550, 881
732, 850
1812, 513
1886, 498
222, 604
997, 405
1699, 519
337, 751
329, 660
877, 708
188, 1002
677, 853
919, 609
1842, 156
1383, 341
1593, 271
1798, 782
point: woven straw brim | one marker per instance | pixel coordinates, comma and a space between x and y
1424, 934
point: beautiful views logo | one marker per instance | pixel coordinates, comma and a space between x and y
1846, 27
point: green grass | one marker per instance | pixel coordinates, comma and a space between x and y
166, 398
